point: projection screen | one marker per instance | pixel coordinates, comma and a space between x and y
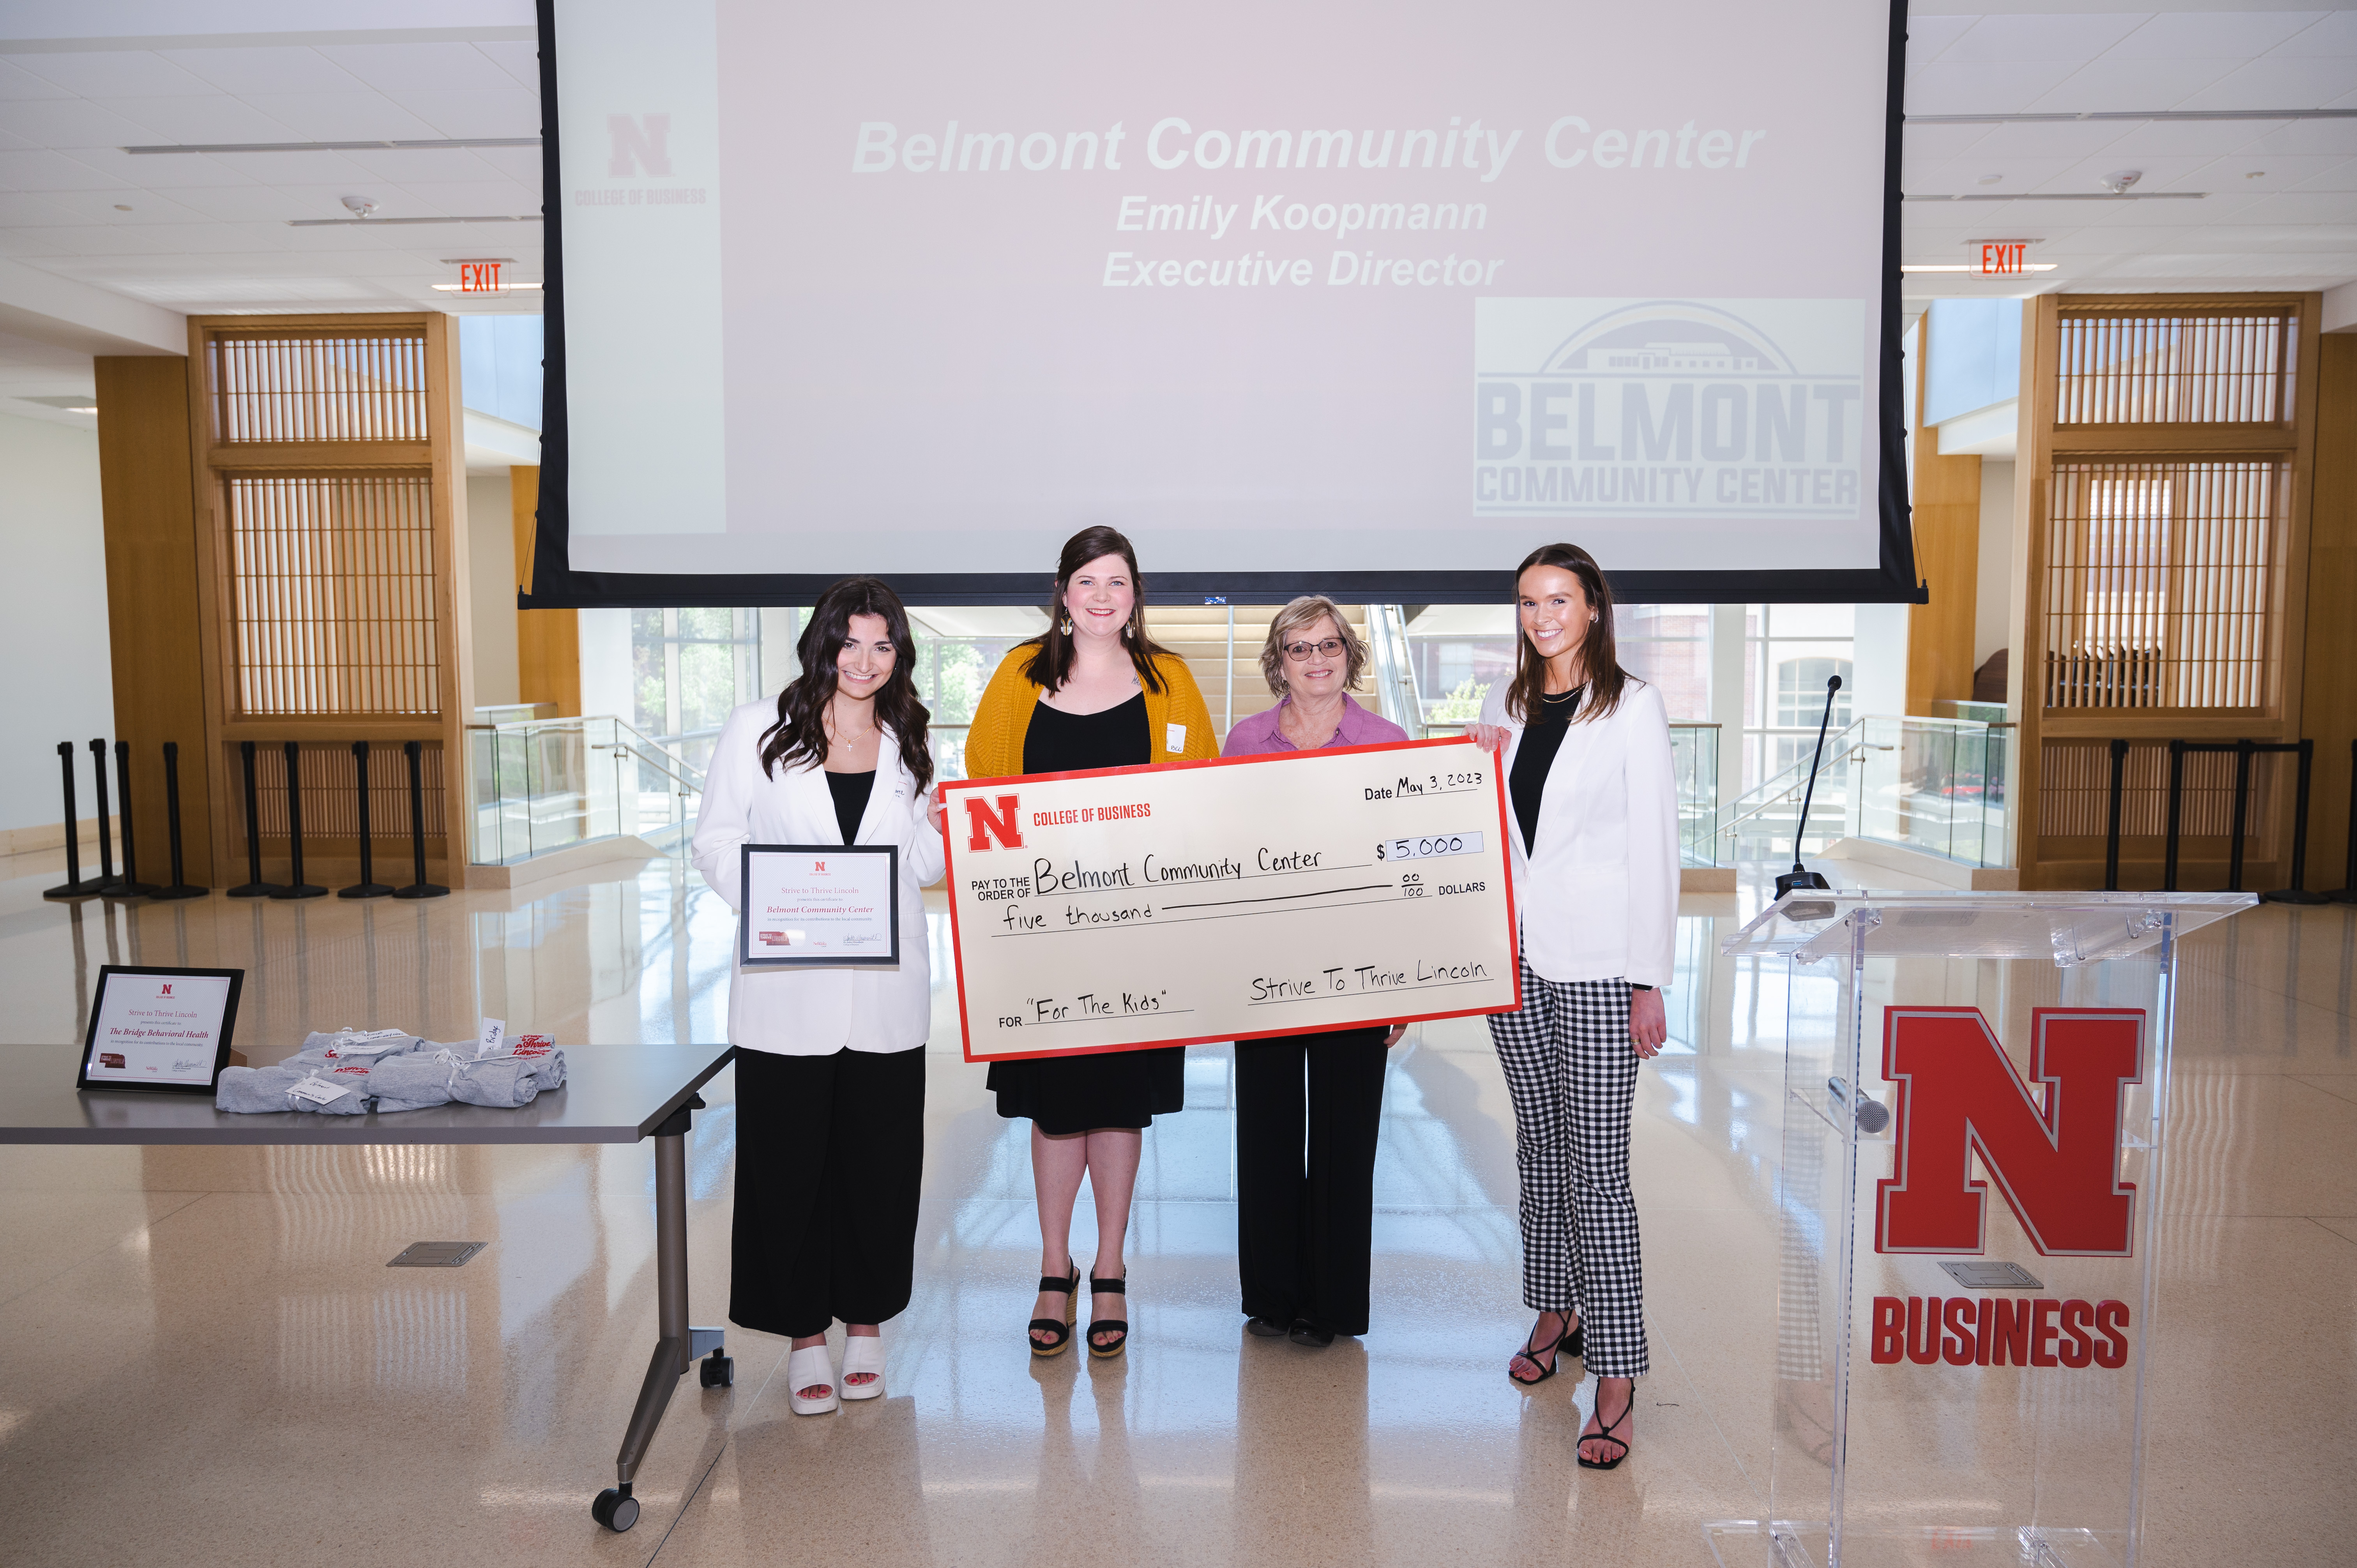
1368, 298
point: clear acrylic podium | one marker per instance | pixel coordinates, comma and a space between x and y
1968, 1220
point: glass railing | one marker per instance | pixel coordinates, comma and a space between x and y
1693, 758
545, 783
1933, 784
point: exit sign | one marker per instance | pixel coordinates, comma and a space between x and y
478, 277
2003, 258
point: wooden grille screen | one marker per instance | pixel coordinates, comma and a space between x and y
2075, 790
346, 384
333, 604
331, 797
2161, 584
2143, 366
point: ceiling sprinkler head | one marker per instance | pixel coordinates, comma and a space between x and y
2119, 180
361, 206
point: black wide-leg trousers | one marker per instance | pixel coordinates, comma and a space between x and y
1307, 1108
829, 1156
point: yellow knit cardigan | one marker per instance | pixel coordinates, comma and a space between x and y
994, 746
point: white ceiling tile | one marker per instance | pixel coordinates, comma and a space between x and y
159, 171
2274, 173
215, 117
245, 203
46, 170
2185, 138
91, 240
2278, 82
498, 111
1981, 87
278, 168
492, 198
1928, 35
429, 165
10, 140
523, 164
22, 210
2072, 139
16, 81
2334, 33
99, 208
2221, 35
2158, 173
2302, 216
290, 69
342, 116
2049, 37
113, 74
71, 123
2342, 176
390, 67
521, 61
2112, 84
1962, 177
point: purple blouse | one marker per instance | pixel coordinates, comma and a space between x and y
1259, 734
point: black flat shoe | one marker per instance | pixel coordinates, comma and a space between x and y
1049, 1285
1116, 1325
1265, 1328
1304, 1332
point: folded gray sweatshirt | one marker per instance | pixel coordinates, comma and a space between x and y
410, 1081
505, 1082
352, 1046
246, 1090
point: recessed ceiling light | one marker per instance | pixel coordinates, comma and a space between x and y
1991, 178
2256, 174
119, 207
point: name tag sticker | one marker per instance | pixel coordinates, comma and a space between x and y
318, 1091
487, 1044
1174, 737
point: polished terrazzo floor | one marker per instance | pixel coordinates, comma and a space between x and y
203, 1360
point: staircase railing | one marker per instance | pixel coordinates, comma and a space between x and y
542, 784
1933, 784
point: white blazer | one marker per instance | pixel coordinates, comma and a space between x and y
817, 1011
1599, 899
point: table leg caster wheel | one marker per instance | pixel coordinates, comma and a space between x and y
616, 1509
718, 1371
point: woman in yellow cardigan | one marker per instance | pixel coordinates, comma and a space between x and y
1091, 692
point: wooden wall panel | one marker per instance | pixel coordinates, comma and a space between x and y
1947, 504
153, 599
2329, 704
548, 642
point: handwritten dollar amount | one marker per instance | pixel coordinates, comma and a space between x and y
1428, 846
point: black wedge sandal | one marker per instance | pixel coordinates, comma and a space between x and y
1098, 1287
1605, 1433
1070, 1290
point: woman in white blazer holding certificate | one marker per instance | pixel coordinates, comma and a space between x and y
830, 1061
1586, 748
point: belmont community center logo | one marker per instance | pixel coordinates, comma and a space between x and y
1727, 408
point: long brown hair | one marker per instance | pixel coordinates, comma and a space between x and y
1599, 656
800, 733
1052, 665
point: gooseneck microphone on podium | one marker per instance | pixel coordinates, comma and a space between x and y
1798, 876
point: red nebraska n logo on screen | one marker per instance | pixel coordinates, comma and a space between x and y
2057, 1164
986, 824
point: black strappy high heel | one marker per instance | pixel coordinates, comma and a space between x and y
1604, 1435
1531, 1352
1098, 1287
1050, 1283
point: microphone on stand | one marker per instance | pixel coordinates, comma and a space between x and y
1798, 876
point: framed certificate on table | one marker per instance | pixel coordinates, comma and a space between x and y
160, 1030
820, 903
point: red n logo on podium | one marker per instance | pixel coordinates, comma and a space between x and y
1957, 1095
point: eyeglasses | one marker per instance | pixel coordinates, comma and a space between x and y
1329, 648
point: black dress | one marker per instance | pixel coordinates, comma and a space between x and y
1111, 1088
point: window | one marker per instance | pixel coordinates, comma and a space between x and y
1789, 650
689, 667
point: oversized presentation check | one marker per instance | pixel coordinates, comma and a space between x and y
1124, 907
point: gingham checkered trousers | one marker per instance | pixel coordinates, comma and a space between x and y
1573, 1077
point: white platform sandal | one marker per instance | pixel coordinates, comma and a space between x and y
806, 1370
863, 1353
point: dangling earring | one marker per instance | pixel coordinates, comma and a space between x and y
1064, 626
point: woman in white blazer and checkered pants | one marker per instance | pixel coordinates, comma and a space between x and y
1586, 748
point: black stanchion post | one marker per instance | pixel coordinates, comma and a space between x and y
2176, 815
2347, 892
73, 886
420, 888
255, 888
368, 887
295, 886
130, 886
107, 880
180, 888
2298, 892
2112, 826
2242, 814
